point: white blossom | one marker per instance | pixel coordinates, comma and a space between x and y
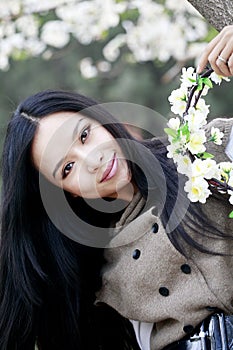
197, 189
217, 79
184, 164
230, 183
173, 150
178, 100
196, 119
216, 135
196, 142
178, 95
206, 168
225, 170
176, 148
231, 197
188, 77
179, 107
174, 123
202, 107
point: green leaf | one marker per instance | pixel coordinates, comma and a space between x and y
185, 129
192, 80
205, 155
207, 82
199, 83
170, 132
231, 215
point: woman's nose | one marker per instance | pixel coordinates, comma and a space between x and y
94, 161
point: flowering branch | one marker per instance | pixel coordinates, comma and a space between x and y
194, 88
219, 185
188, 140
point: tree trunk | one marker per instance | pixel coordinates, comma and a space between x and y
218, 13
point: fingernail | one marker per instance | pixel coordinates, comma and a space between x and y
198, 69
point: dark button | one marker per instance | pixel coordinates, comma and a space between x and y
188, 329
185, 268
211, 308
155, 228
136, 253
164, 291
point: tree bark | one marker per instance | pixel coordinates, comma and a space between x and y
218, 13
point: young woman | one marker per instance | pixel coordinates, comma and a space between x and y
114, 261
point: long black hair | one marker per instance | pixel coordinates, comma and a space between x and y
48, 281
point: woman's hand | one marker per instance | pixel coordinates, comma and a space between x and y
219, 53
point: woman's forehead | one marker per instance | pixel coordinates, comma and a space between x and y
54, 135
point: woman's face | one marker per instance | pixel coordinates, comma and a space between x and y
81, 156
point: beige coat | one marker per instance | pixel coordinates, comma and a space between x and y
147, 279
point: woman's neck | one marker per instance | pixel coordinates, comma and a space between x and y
127, 193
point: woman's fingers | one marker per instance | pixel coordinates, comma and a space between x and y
203, 61
230, 64
219, 53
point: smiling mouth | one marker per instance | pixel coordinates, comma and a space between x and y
111, 169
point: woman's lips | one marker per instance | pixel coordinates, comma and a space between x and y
110, 170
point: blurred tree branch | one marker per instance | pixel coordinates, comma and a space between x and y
218, 13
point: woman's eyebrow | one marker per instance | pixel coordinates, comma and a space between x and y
62, 160
76, 129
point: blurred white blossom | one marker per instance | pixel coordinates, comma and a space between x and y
9, 8
88, 70
104, 66
90, 19
55, 33
27, 25
180, 6
156, 30
111, 51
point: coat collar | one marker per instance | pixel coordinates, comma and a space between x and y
134, 223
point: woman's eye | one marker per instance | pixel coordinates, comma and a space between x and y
84, 134
67, 169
